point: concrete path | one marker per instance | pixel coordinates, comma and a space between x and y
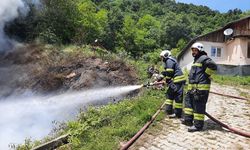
170, 134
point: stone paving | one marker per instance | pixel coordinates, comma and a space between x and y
170, 134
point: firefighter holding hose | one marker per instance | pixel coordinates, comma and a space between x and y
175, 81
198, 88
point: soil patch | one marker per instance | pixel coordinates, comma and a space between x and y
46, 69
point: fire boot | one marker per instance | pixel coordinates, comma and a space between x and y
194, 129
187, 123
174, 116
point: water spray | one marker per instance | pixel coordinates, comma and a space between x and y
32, 116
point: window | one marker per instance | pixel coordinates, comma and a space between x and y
216, 51
213, 51
248, 50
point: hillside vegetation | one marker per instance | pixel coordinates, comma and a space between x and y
129, 27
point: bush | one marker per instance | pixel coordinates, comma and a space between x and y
153, 57
48, 36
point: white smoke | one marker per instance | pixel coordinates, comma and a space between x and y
25, 117
9, 10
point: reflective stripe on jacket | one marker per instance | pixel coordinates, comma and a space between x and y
202, 68
173, 71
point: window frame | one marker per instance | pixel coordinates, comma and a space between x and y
214, 51
248, 49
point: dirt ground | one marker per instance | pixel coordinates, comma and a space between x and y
43, 70
170, 134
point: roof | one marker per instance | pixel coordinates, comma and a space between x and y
196, 38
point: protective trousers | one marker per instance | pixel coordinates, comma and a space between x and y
195, 107
174, 100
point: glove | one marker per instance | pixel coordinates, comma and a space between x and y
196, 94
151, 84
172, 86
159, 77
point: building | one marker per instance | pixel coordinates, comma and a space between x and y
229, 47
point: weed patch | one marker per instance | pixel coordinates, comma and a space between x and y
243, 81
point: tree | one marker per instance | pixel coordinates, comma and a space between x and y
135, 26
180, 45
147, 34
59, 18
93, 22
112, 35
245, 14
24, 28
128, 34
175, 27
142, 36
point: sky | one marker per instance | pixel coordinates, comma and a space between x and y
221, 5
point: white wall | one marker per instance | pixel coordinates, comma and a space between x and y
187, 59
237, 52
244, 51
232, 53
209, 45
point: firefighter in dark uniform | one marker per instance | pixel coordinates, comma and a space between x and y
198, 88
175, 81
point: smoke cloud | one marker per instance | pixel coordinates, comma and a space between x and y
9, 10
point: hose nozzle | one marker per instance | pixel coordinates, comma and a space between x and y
148, 84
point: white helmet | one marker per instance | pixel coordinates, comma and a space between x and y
165, 54
199, 46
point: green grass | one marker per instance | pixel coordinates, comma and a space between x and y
141, 68
245, 94
104, 128
242, 81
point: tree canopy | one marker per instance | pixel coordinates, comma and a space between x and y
135, 27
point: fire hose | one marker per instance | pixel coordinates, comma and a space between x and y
233, 130
141, 131
243, 98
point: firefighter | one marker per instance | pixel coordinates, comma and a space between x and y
154, 75
175, 81
152, 72
198, 88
